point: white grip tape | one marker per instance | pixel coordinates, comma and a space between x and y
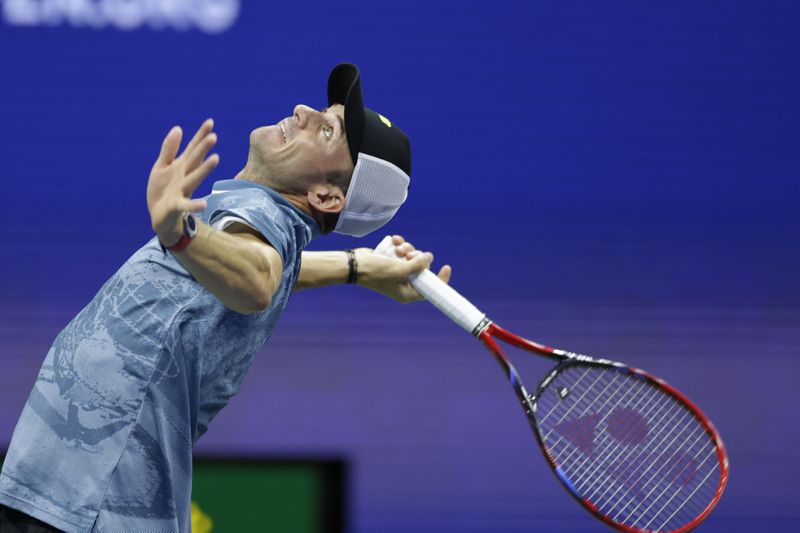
439, 293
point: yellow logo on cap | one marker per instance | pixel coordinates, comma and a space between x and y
385, 120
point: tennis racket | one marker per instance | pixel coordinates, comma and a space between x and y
631, 449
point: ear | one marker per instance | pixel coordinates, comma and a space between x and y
326, 198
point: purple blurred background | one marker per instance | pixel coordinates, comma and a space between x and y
620, 179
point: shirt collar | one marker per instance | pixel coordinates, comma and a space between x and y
230, 185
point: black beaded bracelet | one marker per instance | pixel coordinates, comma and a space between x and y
352, 265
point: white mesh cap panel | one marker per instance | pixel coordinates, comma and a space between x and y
377, 190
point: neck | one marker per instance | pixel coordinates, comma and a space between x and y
297, 200
300, 202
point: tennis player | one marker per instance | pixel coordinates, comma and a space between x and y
105, 440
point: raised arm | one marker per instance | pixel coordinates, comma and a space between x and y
238, 267
378, 273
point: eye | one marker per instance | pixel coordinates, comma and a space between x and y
327, 131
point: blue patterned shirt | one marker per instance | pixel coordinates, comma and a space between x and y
104, 442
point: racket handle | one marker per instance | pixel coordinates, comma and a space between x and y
440, 294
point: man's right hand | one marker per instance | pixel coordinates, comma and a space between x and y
172, 181
389, 277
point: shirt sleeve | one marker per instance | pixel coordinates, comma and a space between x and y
222, 223
258, 210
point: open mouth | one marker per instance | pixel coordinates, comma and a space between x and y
283, 131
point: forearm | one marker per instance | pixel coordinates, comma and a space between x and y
231, 268
385, 275
319, 269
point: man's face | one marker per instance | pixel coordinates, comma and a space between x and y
303, 149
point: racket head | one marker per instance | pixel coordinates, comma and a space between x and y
627, 446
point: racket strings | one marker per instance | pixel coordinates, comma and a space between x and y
628, 483
581, 481
688, 503
607, 444
630, 393
589, 474
662, 460
630, 448
599, 468
618, 443
582, 476
665, 457
662, 449
585, 396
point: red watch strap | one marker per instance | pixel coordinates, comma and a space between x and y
182, 243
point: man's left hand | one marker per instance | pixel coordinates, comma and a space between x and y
174, 179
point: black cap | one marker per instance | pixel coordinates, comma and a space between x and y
367, 131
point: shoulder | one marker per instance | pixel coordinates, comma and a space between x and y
252, 213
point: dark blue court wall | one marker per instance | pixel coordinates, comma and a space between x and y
617, 178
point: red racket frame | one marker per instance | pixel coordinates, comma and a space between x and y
488, 331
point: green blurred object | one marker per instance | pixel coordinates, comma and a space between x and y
270, 495
201, 522
267, 495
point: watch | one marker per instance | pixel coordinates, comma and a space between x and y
189, 233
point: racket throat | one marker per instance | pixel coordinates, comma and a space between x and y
482, 327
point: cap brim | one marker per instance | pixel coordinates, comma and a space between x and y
344, 87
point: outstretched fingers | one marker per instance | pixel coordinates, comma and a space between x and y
197, 166
169, 147
201, 133
198, 154
196, 177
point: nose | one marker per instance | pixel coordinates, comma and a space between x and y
305, 115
